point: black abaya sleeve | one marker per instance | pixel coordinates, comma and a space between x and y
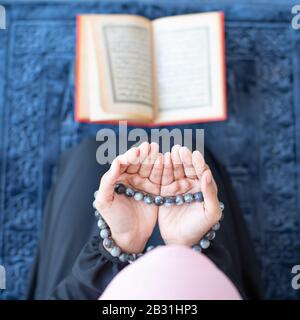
91, 273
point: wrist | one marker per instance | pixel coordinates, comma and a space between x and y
129, 243
174, 241
197, 242
179, 241
182, 237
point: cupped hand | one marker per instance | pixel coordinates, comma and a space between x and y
131, 222
186, 172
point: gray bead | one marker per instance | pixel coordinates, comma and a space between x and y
120, 188
216, 227
138, 196
108, 243
97, 214
131, 257
210, 235
169, 201
159, 200
148, 199
115, 251
105, 233
222, 205
204, 243
198, 196
94, 204
129, 192
179, 200
95, 194
102, 224
149, 248
188, 197
123, 257
197, 248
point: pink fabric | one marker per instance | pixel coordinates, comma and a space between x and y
171, 272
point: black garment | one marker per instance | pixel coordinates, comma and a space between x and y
70, 266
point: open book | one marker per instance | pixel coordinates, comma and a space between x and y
168, 70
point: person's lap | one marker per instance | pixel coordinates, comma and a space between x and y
69, 222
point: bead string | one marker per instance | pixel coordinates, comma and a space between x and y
115, 250
168, 201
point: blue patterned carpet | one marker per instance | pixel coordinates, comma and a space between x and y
259, 144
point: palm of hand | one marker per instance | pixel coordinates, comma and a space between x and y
179, 223
133, 216
131, 222
183, 173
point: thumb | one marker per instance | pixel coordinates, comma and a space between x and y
209, 191
105, 193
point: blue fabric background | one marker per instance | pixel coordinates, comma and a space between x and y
259, 144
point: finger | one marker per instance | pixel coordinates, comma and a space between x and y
132, 156
124, 162
157, 169
209, 191
198, 163
177, 163
147, 164
186, 158
118, 166
107, 184
168, 173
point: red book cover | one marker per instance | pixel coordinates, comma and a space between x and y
78, 86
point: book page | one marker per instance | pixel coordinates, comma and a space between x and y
124, 58
188, 59
93, 81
